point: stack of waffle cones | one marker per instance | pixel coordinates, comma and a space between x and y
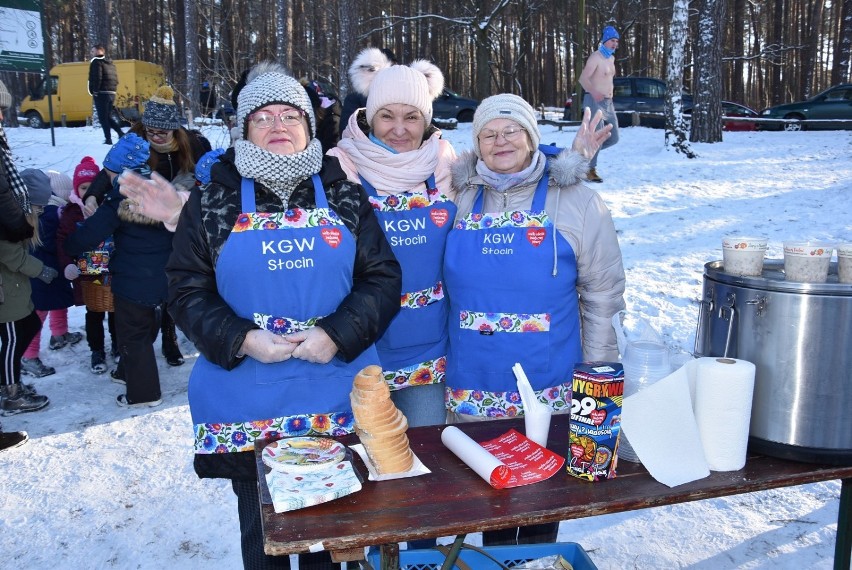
379, 424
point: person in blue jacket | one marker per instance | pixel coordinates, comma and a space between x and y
283, 279
137, 269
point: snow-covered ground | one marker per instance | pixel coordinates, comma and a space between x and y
100, 486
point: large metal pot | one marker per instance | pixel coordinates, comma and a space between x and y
799, 336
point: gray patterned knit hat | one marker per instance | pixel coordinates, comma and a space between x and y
268, 83
161, 111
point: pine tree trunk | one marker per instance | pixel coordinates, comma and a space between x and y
675, 136
707, 102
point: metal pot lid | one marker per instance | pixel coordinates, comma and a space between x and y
774, 279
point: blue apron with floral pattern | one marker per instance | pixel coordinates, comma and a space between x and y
413, 349
283, 270
507, 306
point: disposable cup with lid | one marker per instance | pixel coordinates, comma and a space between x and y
807, 261
743, 255
844, 262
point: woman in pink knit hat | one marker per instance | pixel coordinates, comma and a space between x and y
393, 150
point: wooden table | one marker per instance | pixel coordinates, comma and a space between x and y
453, 500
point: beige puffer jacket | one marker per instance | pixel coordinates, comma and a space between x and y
582, 218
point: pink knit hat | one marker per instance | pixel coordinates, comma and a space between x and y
86, 171
417, 84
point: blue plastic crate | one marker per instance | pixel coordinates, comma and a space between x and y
431, 559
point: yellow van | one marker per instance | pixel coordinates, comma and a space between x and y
68, 84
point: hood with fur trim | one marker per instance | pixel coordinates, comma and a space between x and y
126, 215
566, 169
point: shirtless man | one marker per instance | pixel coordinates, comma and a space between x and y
596, 80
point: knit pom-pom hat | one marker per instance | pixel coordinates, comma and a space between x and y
367, 63
86, 171
161, 111
268, 83
417, 85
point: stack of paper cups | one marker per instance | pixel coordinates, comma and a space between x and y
723, 394
645, 362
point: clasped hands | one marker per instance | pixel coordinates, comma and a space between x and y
311, 345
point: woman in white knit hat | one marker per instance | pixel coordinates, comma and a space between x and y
534, 272
394, 151
283, 279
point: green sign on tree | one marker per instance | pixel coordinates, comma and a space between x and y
21, 38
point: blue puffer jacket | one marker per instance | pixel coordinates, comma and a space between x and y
142, 247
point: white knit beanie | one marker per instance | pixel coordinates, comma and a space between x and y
505, 106
416, 85
269, 84
60, 184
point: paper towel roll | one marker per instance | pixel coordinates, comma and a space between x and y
476, 457
722, 404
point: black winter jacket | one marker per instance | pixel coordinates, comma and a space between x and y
142, 247
205, 224
14, 226
102, 75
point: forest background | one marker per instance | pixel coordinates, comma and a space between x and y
756, 52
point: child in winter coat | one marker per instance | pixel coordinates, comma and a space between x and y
70, 217
50, 300
18, 319
137, 270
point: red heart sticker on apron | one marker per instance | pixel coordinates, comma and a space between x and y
536, 235
439, 216
598, 416
331, 236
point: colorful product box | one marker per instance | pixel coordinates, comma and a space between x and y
595, 420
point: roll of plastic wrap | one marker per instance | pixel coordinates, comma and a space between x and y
722, 404
476, 457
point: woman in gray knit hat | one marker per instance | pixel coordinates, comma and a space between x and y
283, 279
533, 269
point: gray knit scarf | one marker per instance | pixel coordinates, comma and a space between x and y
281, 173
19, 189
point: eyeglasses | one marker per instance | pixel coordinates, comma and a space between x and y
157, 134
265, 119
489, 137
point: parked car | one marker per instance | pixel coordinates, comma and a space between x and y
833, 103
736, 110
648, 95
450, 105
641, 95
730, 109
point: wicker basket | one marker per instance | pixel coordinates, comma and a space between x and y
97, 297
